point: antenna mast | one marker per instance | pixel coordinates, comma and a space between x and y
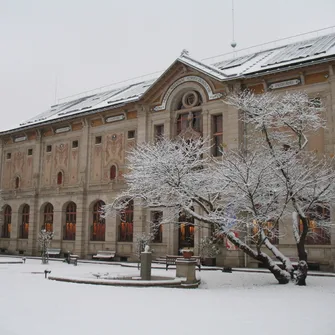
233, 43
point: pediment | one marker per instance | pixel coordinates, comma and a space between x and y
180, 74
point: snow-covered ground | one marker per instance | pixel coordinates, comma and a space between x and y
225, 303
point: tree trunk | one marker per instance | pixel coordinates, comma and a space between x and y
282, 276
302, 273
302, 254
277, 253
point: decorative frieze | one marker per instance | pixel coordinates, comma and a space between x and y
62, 129
285, 83
115, 118
20, 139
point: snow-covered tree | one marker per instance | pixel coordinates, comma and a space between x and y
44, 240
250, 190
283, 123
181, 176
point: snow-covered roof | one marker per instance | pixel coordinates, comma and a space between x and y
91, 102
224, 69
282, 56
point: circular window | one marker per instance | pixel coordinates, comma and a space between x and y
190, 99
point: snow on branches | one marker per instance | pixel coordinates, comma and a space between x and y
250, 190
44, 240
284, 122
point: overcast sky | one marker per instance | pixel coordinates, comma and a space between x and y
80, 45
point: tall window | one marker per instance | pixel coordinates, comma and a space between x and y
157, 229
126, 224
217, 135
48, 217
59, 178
186, 120
7, 222
318, 224
25, 222
159, 132
112, 172
98, 226
70, 222
17, 182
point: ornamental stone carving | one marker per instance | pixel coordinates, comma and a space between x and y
199, 80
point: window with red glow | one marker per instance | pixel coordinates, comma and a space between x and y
25, 222
70, 222
126, 224
98, 226
48, 217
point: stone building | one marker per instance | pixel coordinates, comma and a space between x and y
58, 168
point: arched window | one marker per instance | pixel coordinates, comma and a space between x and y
17, 182
59, 178
48, 218
25, 222
6, 227
98, 225
112, 172
70, 222
126, 223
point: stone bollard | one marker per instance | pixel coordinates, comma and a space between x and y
185, 268
146, 258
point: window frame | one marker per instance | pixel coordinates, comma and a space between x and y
182, 121
126, 225
217, 121
7, 222
157, 227
24, 227
69, 231
60, 178
98, 226
48, 217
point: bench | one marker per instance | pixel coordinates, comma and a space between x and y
53, 252
104, 255
72, 259
171, 260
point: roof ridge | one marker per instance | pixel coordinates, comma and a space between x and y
212, 68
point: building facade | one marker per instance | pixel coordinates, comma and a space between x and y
60, 167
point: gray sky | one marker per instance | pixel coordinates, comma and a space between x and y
87, 44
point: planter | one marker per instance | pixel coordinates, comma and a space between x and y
187, 253
208, 261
